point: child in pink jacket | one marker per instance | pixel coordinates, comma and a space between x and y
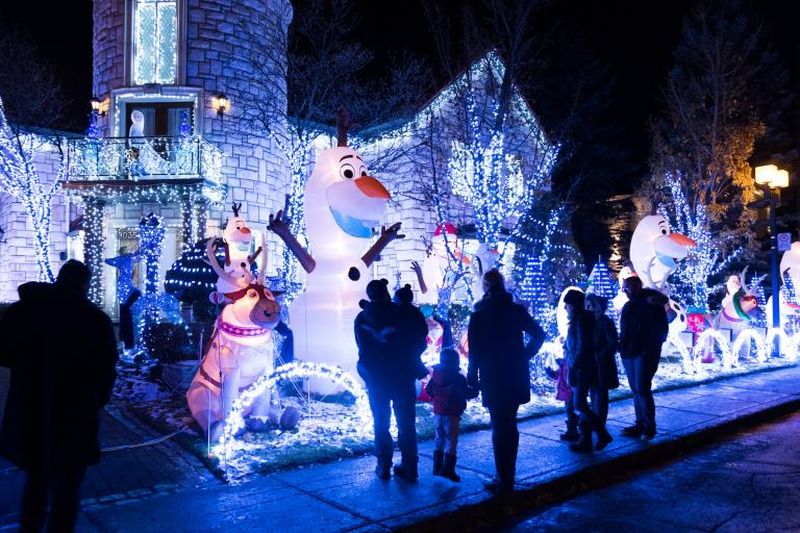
448, 388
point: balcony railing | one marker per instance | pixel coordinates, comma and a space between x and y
132, 158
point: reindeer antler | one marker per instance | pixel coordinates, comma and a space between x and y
236, 208
743, 278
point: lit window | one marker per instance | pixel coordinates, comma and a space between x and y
155, 42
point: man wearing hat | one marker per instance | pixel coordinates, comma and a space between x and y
389, 372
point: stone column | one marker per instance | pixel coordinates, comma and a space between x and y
93, 246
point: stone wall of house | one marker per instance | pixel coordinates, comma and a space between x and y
108, 59
255, 171
17, 257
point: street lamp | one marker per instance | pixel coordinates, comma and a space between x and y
772, 179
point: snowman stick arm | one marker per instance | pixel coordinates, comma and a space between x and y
212, 262
384, 239
306, 261
280, 226
374, 251
423, 287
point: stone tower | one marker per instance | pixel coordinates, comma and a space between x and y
173, 60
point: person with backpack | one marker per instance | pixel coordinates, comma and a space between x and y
448, 388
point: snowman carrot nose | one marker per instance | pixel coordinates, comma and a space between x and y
683, 240
245, 230
372, 187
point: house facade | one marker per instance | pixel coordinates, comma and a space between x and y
167, 139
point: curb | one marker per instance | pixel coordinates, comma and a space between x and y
501, 512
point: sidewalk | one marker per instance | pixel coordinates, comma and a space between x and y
346, 495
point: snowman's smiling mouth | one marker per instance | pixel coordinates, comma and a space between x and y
355, 227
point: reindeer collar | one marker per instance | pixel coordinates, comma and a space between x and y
241, 331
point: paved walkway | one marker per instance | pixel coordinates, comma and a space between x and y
345, 495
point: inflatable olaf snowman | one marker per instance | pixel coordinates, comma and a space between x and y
789, 295
655, 252
343, 204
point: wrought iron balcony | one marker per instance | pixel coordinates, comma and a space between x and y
142, 158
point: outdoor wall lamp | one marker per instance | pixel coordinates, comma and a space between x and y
99, 106
221, 103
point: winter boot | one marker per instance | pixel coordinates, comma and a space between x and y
438, 461
585, 444
571, 435
603, 438
406, 471
383, 470
449, 467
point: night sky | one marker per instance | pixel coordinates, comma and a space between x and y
633, 38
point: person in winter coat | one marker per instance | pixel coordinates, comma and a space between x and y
643, 330
389, 374
498, 365
62, 353
412, 330
448, 388
579, 352
605, 350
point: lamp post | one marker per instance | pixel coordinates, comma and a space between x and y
771, 180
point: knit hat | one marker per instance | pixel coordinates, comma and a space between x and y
448, 357
404, 295
377, 290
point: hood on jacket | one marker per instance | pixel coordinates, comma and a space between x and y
494, 298
33, 290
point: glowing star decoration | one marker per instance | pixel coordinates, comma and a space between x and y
790, 292
239, 355
237, 242
343, 204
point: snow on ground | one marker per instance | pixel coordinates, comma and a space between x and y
332, 428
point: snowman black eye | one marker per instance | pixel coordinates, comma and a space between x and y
663, 232
363, 171
347, 171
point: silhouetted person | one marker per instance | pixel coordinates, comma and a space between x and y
62, 354
498, 365
389, 374
605, 350
412, 331
126, 330
643, 330
579, 349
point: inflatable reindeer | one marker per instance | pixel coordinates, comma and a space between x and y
239, 355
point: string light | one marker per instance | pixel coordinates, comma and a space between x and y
706, 260
20, 178
93, 245
155, 42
